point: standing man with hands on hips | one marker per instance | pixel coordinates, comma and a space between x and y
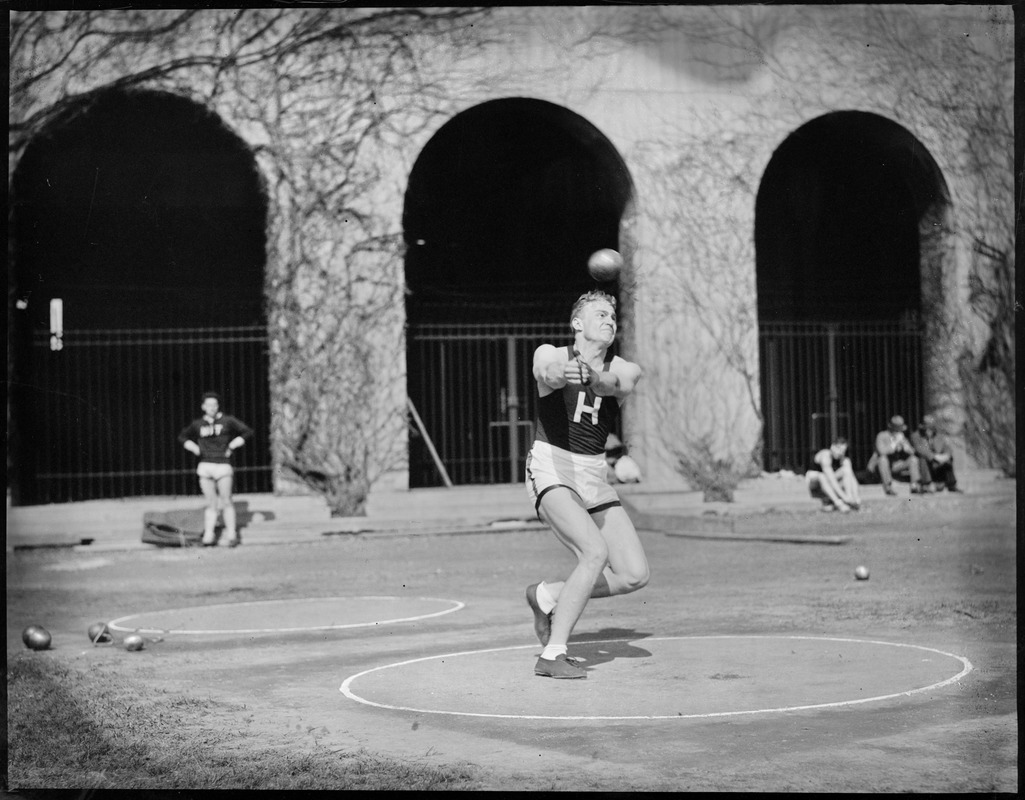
579, 399
214, 437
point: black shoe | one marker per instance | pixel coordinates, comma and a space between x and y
559, 667
955, 490
542, 621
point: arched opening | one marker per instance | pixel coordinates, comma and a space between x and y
138, 230
504, 205
846, 225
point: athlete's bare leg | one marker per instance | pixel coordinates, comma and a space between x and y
627, 568
610, 558
209, 489
564, 512
224, 487
849, 482
816, 480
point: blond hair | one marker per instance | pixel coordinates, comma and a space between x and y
595, 295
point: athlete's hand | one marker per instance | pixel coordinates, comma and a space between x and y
578, 372
574, 371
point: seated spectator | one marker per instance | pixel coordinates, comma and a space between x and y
834, 482
935, 457
894, 456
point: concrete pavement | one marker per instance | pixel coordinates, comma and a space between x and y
269, 519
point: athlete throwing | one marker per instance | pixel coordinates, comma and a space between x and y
580, 394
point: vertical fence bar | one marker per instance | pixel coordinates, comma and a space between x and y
833, 397
439, 422
772, 415
463, 433
128, 400
456, 430
153, 444
793, 367
513, 409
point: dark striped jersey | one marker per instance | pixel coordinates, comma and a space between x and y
575, 418
213, 436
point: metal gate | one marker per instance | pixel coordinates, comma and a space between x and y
472, 388
821, 380
101, 411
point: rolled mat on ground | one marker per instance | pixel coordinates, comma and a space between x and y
183, 527
179, 528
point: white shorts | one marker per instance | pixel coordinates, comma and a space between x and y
585, 475
213, 470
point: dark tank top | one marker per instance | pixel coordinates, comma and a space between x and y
575, 418
835, 462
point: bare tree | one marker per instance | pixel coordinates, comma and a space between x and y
325, 99
990, 378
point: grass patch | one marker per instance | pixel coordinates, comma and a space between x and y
71, 728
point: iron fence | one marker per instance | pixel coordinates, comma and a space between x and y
99, 416
471, 385
102, 409
472, 388
820, 380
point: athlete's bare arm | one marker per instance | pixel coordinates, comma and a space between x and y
618, 382
551, 367
628, 375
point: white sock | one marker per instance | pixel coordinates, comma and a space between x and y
553, 650
544, 598
209, 522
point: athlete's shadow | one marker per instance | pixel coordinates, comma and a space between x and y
607, 645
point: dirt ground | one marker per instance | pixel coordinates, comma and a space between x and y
943, 577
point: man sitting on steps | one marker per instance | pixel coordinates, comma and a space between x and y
894, 456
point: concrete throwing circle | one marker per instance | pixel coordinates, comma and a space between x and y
285, 616
674, 677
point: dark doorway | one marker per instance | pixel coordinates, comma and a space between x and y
138, 212
839, 239
504, 206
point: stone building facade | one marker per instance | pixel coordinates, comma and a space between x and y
707, 130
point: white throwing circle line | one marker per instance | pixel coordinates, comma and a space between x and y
120, 623
965, 663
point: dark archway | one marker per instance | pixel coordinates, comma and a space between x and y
140, 212
504, 205
140, 209
846, 221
